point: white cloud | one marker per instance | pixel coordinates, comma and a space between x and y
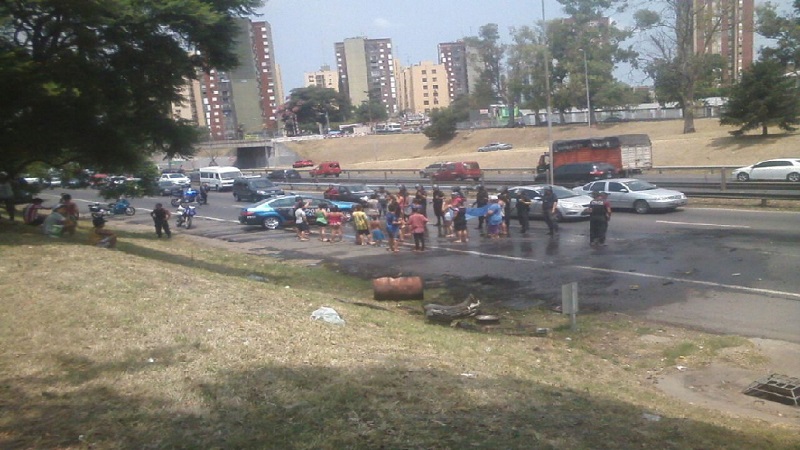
382, 23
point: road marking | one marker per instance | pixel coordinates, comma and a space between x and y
719, 225
734, 287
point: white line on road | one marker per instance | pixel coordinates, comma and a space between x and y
720, 225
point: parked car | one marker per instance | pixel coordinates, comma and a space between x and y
356, 193
787, 169
579, 173
494, 146
458, 171
570, 205
326, 169
303, 163
254, 189
75, 183
284, 175
431, 169
177, 178
274, 213
168, 187
639, 195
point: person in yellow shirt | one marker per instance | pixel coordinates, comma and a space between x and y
100, 236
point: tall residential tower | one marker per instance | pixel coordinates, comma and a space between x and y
367, 70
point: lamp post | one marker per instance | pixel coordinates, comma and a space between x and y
586, 76
550, 177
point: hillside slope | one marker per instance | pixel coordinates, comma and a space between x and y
710, 145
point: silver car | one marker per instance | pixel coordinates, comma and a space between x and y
784, 169
639, 195
570, 205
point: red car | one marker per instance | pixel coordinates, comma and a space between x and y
303, 163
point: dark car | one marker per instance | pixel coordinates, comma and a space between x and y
168, 187
255, 189
284, 175
274, 213
356, 193
580, 173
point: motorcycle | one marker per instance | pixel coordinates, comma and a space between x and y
121, 206
188, 196
184, 214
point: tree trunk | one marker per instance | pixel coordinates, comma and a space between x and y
764, 129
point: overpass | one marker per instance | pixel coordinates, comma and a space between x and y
249, 153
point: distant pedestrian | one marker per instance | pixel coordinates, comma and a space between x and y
549, 208
335, 219
438, 204
494, 217
375, 229
161, 218
321, 220
361, 224
505, 203
421, 199
301, 221
204, 188
460, 222
383, 200
393, 223
417, 224
599, 216
481, 200
523, 211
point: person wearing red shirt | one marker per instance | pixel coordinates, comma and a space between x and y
417, 224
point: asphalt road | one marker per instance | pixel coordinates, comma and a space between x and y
728, 271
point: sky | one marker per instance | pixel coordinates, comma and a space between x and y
304, 31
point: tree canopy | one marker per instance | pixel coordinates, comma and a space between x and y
764, 97
313, 107
92, 82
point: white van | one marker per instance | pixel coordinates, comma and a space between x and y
219, 177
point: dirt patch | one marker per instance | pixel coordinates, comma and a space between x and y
720, 385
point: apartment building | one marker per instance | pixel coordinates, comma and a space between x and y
422, 88
459, 62
726, 27
324, 78
366, 68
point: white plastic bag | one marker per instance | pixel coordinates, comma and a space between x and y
328, 315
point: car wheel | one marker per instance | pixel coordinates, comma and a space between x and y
130, 210
271, 223
793, 177
641, 206
237, 198
743, 177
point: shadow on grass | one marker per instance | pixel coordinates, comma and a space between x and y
747, 141
278, 407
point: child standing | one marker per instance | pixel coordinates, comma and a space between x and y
375, 229
417, 223
361, 223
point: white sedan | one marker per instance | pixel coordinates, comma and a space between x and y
639, 195
177, 178
787, 169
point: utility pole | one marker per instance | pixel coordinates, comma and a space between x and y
586, 76
550, 177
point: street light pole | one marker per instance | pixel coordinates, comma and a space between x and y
586, 76
550, 177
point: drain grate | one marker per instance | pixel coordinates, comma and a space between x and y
778, 388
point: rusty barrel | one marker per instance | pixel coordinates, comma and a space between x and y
402, 288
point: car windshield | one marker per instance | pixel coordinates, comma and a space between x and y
262, 184
229, 175
639, 185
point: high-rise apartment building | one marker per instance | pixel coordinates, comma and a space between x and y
725, 27
462, 72
324, 77
367, 70
243, 100
422, 88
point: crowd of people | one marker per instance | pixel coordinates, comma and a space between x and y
401, 216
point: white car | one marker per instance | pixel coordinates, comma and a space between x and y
784, 169
494, 146
177, 178
639, 195
570, 205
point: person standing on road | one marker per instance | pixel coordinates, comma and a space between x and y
335, 218
417, 223
460, 221
393, 223
505, 202
481, 200
494, 217
549, 204
204, 188
161, 218
361, 224
421, 199
599, 216
438, 204
523, 212
301, 221
383, 200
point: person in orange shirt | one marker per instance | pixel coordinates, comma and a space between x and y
417, 224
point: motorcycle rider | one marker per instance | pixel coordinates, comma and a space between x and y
204, 188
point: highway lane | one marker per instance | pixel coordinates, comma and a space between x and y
722, 270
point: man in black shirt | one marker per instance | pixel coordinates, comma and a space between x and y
481, 200
523, 211
549, 203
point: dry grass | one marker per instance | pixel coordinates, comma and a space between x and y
710, 145
167, 344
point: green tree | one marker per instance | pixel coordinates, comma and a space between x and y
764, 97
370, 112
92, 82
681, 74
314, 107
443, 125
526, 59
785, 31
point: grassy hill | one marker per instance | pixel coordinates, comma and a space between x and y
710, 145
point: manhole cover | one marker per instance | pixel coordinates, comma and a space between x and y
778, 388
